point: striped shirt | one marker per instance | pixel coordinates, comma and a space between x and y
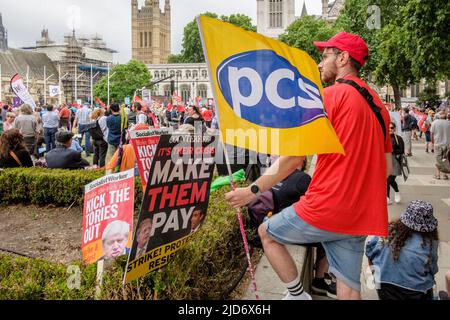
84, 115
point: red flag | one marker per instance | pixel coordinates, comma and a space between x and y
140, 101
99, 102
155, 122
176, 97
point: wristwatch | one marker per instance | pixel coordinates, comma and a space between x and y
255, 189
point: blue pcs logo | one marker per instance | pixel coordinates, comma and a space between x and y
266, 89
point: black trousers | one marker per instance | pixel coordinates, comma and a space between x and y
391, 183
100, 150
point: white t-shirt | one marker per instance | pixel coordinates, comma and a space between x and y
440, 129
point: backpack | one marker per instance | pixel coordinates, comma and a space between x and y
95, 131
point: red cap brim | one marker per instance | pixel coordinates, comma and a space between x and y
321, 45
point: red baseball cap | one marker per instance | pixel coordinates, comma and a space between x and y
352, 43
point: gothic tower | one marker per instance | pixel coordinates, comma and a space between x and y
151, 31
274, 16
3, 36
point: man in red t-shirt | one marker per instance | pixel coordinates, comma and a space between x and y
64, 117
346, 200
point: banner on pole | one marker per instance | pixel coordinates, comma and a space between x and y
54, 91
267, 92
21, 91
108, 217
145, 143
175, 201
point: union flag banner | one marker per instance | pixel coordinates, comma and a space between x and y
268, 95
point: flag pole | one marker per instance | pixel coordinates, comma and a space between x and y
45, 85
108, 82
233, 186
59, 83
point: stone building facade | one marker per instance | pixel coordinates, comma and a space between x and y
151, 31
274, 16
191, 80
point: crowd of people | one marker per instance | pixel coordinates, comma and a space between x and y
56, 137
411, 123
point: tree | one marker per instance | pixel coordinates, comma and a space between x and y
192, 51
353, 19
192, 45
393, 67
388, 59
430, 97
240, 20
175, 58
303, 32
427, 38
127, 78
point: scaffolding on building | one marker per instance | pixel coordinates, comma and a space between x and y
80, 65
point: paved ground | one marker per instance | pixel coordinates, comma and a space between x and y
420, 185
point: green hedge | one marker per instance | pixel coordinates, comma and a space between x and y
205, 269
42, 186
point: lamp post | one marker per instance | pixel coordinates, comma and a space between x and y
59, 83
76, 83
45, 85
92, 85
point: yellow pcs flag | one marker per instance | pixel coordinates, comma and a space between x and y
268, 95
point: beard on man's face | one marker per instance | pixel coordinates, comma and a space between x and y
328, 76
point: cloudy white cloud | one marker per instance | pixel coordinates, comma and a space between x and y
25, 19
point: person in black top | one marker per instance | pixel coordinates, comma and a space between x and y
62, 157
398, 149
194, 115
280, 196
13, 151
132, 115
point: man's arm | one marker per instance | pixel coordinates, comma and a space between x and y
75, 122
282, 168
389, 167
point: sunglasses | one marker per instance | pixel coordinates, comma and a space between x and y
392, 128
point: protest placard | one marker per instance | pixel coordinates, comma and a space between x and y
108, 217
144, 143
175, 201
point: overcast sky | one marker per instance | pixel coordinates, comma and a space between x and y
25, 19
